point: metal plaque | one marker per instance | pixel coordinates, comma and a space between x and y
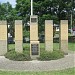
33, 19
34, 49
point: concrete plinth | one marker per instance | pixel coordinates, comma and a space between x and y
3, 37
34, 49
49, 35
64, 35
18, 36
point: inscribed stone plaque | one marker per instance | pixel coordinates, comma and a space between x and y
34, 48
33, 19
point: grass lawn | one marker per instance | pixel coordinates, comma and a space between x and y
71, 46
62, 72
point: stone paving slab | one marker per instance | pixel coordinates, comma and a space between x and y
67, 62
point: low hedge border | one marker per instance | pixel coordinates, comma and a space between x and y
44, 55
12, 55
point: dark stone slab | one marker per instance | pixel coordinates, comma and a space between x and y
34, 49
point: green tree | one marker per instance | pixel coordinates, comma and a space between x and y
46, 9
8, 13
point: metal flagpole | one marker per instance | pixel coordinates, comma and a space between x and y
31, 7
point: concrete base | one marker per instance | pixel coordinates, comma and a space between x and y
64, 46
19, 46
3, 47
34, 49
49, 45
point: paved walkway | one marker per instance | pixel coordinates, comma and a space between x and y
67, 62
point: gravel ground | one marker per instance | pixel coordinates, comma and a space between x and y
67, 62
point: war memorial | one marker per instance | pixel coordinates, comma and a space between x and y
34, 42
34, 57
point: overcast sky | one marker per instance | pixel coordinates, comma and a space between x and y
12, 2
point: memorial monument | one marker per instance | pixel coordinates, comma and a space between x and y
34, 43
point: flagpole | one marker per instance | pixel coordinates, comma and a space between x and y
31, 7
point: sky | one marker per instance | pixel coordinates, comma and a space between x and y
12, 2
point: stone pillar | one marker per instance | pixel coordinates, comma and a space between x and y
34, 49
64, 36
3, 37
34, 43
33, 28
49, 35
18, 36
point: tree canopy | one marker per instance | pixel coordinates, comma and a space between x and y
55, 10
47, 9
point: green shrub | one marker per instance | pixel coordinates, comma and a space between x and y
25, 56
12, 55
45, 55
57, 55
